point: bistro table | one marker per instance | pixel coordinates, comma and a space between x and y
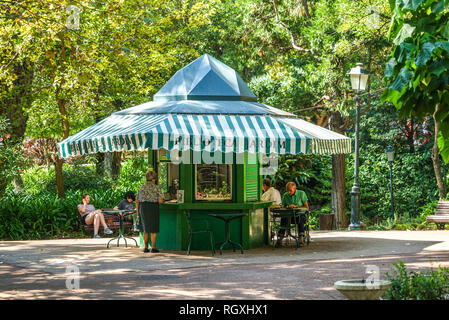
227, 217
292, 213
121, 214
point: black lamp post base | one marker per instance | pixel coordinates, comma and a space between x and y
355, 203
353, 227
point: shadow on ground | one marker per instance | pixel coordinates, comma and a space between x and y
37, 269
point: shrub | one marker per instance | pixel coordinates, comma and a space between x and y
76, 177
411, 285
311, 173
38, 213
45, 215
11, 156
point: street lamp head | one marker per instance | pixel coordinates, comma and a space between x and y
359, 77
390, 154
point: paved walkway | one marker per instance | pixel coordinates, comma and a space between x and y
37, 269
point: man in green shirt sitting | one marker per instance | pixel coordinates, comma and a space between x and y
295, 199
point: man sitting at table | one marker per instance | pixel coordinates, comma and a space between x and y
294, 199
127, 204
270, 193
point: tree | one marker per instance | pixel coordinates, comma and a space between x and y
89, 59
418, 70
11, 157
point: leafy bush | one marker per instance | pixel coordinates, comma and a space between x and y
76, 177
411, 285
11, 157
45, 215
414, 184
311, 173
402, 223
132, 174
38, 213
428, 209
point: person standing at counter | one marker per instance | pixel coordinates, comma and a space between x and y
148, 199
294, 199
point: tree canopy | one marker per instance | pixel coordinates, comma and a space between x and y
417, 72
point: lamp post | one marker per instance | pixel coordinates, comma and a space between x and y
359, 78
390, 157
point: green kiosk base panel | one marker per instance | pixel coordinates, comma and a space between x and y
250, 230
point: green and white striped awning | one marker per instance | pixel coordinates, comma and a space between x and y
210, 133
205, 106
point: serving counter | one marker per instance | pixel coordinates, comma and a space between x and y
251, 231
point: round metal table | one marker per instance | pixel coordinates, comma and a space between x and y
227, 217
292, 213
122, 214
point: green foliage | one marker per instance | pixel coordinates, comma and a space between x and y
38, 213
76, 177
314, 221
311, 173
414, 184
411, 285
402, 223
428, 209
132, 174
11, 156
418, 70
37, 217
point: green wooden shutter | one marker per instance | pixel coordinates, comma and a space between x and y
252, 180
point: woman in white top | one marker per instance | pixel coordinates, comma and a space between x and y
270, 193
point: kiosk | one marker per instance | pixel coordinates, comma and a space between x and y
211, 143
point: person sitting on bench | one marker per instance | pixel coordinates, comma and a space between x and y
90, 215
127, 204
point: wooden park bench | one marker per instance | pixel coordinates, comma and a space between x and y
441, 216
112, 220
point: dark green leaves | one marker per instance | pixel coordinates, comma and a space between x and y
439, 67
411, 4
405, 32
405, 50
402, 79
445, 31
389, 69
425, 54
419, 68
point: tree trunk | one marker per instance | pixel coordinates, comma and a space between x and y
112, 164
338, 177
99, 163
436, 159
65, 134
18, 96
59, 179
